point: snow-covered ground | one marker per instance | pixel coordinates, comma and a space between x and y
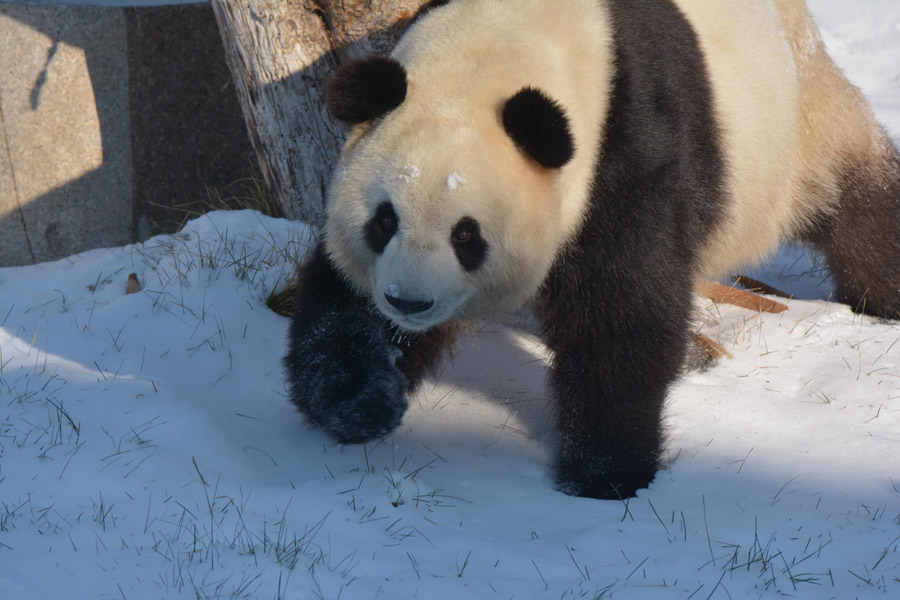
147, 449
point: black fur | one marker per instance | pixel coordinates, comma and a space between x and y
426, 8
539, 127
366, 89
616, 304
348, 369
341, 371
471, 249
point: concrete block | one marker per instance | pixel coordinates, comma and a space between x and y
65, 121
114, 123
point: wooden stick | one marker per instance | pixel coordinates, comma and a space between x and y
710, 347
728, 295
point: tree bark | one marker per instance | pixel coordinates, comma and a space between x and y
281, 53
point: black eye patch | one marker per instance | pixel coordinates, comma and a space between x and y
471, 249
381, 227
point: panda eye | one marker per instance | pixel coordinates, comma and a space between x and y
385, 219
471, 249
462, 234
381, 227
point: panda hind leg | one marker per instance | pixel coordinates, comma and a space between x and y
861, 239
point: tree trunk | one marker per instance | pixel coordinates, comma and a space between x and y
280, 53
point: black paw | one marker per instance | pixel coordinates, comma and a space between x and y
353, 414
604, 479
343, 377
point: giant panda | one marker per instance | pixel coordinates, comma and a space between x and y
590, 160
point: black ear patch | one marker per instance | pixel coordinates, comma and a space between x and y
539, 127
365, 89
428, 7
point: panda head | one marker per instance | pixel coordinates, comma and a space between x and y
443, 205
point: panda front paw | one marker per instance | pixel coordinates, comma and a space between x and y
357, 412
343, 377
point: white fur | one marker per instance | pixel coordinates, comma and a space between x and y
789, 120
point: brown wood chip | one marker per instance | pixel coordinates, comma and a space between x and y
711, 347
133, 286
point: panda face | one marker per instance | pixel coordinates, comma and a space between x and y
464, 177
435, 221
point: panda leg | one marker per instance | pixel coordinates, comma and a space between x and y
347, 367
861, 240
611, 369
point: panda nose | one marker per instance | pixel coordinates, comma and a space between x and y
408, 307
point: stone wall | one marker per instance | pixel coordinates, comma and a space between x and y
115, 123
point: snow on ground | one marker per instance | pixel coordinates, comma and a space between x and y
147, 449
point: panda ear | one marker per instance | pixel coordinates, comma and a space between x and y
539, 127
365, 89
